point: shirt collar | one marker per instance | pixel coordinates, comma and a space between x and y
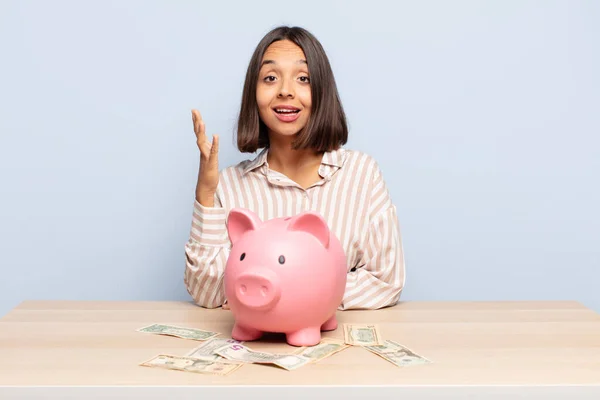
258, 161
333, 158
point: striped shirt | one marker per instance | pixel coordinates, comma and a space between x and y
352, 197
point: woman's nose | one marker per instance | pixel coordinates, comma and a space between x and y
285, 90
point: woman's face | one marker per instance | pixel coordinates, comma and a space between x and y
283, 90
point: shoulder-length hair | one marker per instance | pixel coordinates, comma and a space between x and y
326, 129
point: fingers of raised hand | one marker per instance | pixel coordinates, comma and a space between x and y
199, 128
214, 148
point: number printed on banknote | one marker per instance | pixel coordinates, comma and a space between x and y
180, 332
239, 352
206, 351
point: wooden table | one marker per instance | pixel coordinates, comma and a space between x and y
82, 349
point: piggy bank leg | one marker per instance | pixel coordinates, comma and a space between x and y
330, 325
305, 337
243, 333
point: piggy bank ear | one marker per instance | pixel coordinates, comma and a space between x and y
240, 221
313, 224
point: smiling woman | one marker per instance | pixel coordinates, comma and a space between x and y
292, 111
283, 88
290, 70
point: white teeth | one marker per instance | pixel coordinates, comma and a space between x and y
285, 111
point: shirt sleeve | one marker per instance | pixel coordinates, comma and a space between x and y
206, 253
378, 280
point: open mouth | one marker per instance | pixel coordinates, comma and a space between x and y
286, 111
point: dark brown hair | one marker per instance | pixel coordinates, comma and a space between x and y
326, 128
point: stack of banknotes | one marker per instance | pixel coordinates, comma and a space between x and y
222, 356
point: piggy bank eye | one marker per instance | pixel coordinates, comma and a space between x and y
242, 256
281, 259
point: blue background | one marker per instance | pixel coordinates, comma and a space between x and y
483, 115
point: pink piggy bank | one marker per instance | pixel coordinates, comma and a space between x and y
285, 275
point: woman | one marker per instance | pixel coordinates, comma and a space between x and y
292, 111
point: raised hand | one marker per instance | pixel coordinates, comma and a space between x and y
208, 174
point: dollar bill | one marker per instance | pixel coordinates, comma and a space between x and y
177, 331
189, 364
239, 352
206, 351
326, 348
397, 354
362, 335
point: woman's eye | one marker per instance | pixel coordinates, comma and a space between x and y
305, 79
269, 78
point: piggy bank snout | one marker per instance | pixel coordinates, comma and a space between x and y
258, 288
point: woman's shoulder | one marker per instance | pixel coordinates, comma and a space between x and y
359, 159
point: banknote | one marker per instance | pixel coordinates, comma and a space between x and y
177, 331
206, 351
397, 354
189, 364
326, 348
239, 352
362, 335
